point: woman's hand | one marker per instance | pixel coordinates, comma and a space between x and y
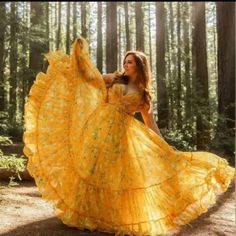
108, 78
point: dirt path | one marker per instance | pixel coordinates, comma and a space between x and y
24, 213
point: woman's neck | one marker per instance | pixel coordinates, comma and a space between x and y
133, 80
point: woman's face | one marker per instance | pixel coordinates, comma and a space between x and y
130, 66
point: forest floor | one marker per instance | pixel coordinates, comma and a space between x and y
24, 213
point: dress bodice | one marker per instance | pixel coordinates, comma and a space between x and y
130, 102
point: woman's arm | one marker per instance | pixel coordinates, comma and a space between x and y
148, 118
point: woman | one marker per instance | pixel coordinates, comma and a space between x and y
100, 167
137, 77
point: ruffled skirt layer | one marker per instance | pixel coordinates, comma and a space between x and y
116, 175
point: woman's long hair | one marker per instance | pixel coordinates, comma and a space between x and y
143, 75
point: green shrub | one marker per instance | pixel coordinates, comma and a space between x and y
180, 139
11, 162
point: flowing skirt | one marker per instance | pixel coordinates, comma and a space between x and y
104, 170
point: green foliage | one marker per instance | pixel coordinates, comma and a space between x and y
4, 122
12, 129
15, 131
224, 138
180, 139
11, 162
5, 141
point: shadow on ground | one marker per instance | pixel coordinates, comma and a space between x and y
50, 227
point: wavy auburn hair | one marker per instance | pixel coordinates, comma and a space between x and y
143, 75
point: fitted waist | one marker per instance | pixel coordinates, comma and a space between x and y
118, 107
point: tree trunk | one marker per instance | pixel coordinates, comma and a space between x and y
226, 60
23, 60
68, 42
13, 62
59, 27
128, 47
139, 26
55, 15
225, 13
173, 71
188, 97
168, 72
119, 40
38, 44
160, 66
47, 26
99, 38
111, 40
75, 21
139, 37
83, 20
179, 88
2, 48
201, 77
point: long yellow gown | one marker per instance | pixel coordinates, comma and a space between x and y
103, 169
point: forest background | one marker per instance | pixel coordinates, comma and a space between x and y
190, 45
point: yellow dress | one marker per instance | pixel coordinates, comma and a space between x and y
103, 169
